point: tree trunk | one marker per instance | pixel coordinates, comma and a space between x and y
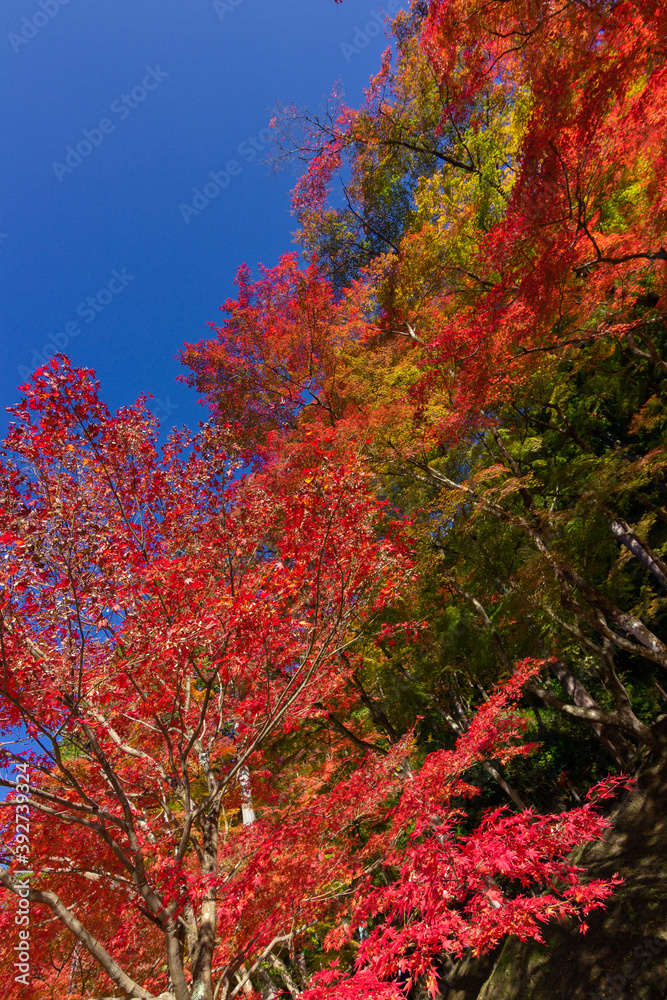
202, 986
639, 549
619, 750
247, 810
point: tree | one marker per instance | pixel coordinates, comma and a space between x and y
167, 633
526, 146
161, 622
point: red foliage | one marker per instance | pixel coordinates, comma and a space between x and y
164, 630
274, 355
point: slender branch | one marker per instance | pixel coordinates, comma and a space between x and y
100, 954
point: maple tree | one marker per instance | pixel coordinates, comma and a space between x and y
527, 144
163, 626
160, 622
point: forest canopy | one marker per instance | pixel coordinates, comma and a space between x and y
319, 700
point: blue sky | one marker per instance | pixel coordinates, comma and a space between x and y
113, 113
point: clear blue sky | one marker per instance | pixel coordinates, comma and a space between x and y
167, 92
